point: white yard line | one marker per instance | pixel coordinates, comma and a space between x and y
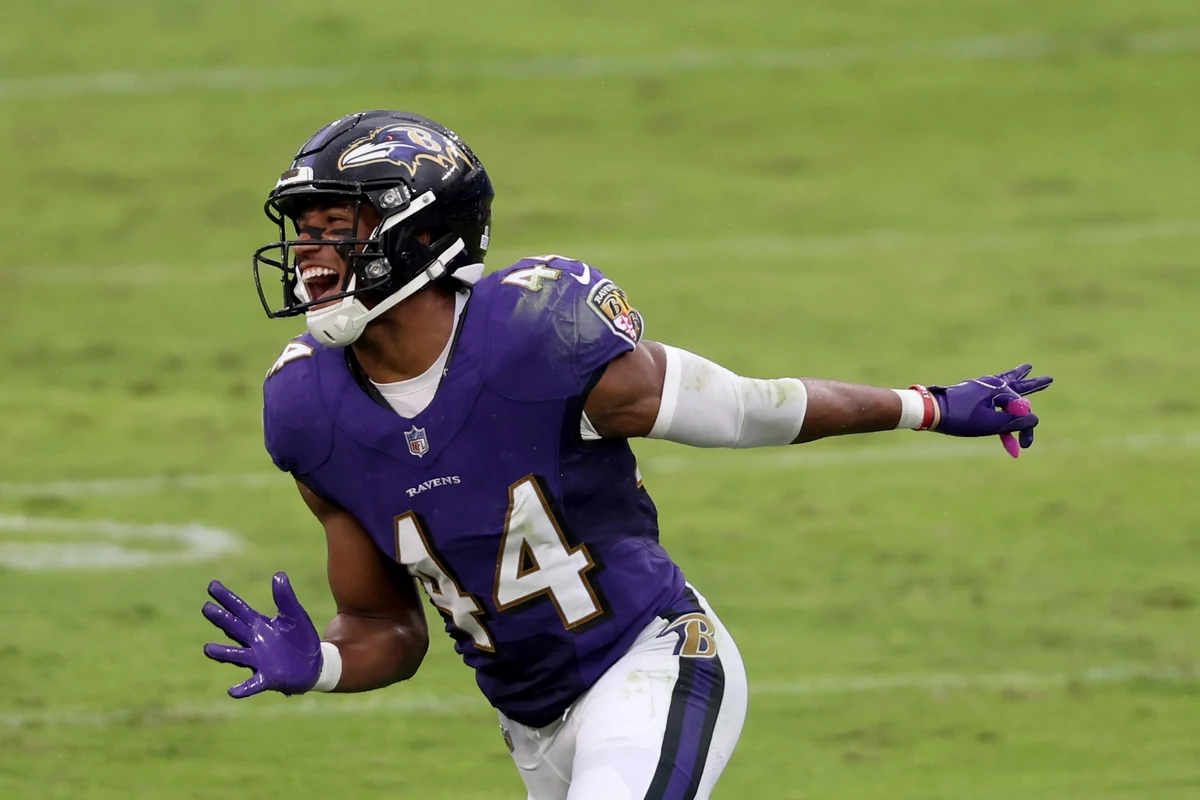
767, 460
891, 240
603, 254
402, 701
941, 449
42, 543
810, 59
126, 487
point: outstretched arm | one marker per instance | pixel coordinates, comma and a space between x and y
662, 392
380, 629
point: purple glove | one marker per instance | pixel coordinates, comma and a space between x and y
970, 408
284, 652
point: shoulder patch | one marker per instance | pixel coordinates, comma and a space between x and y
293, 352
611, 304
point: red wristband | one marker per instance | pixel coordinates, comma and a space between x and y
930, 420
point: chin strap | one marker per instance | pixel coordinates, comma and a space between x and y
341, 324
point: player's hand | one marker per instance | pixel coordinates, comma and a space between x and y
976, 407
284, 652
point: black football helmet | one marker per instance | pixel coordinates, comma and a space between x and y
419, 177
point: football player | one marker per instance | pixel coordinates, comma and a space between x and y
472, 433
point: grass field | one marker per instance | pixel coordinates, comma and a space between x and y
880, 192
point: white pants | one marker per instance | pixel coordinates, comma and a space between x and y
660, 724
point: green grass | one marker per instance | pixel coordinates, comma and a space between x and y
872, 205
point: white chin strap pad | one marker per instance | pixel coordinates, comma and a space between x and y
705, 405
343, 322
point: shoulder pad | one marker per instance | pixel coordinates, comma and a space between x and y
296, 426
553, 322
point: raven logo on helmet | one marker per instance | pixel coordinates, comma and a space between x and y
407, 146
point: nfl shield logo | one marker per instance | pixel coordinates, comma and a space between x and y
418, 443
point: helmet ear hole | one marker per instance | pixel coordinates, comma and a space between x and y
378, 269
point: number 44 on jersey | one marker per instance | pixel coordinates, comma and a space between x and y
535, 559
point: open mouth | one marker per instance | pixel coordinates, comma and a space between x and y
321, 282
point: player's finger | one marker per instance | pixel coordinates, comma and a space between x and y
241, 656
1031, 385
1016, 373
285, 597
1004, 397
233, 627
1015, 423
253, 685
234, 604
1025, 437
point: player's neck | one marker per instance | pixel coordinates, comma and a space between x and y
404, 342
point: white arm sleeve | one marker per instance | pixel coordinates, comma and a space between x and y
705, 405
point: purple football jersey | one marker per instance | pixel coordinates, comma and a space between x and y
538, 548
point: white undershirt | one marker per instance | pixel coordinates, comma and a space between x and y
410, 397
